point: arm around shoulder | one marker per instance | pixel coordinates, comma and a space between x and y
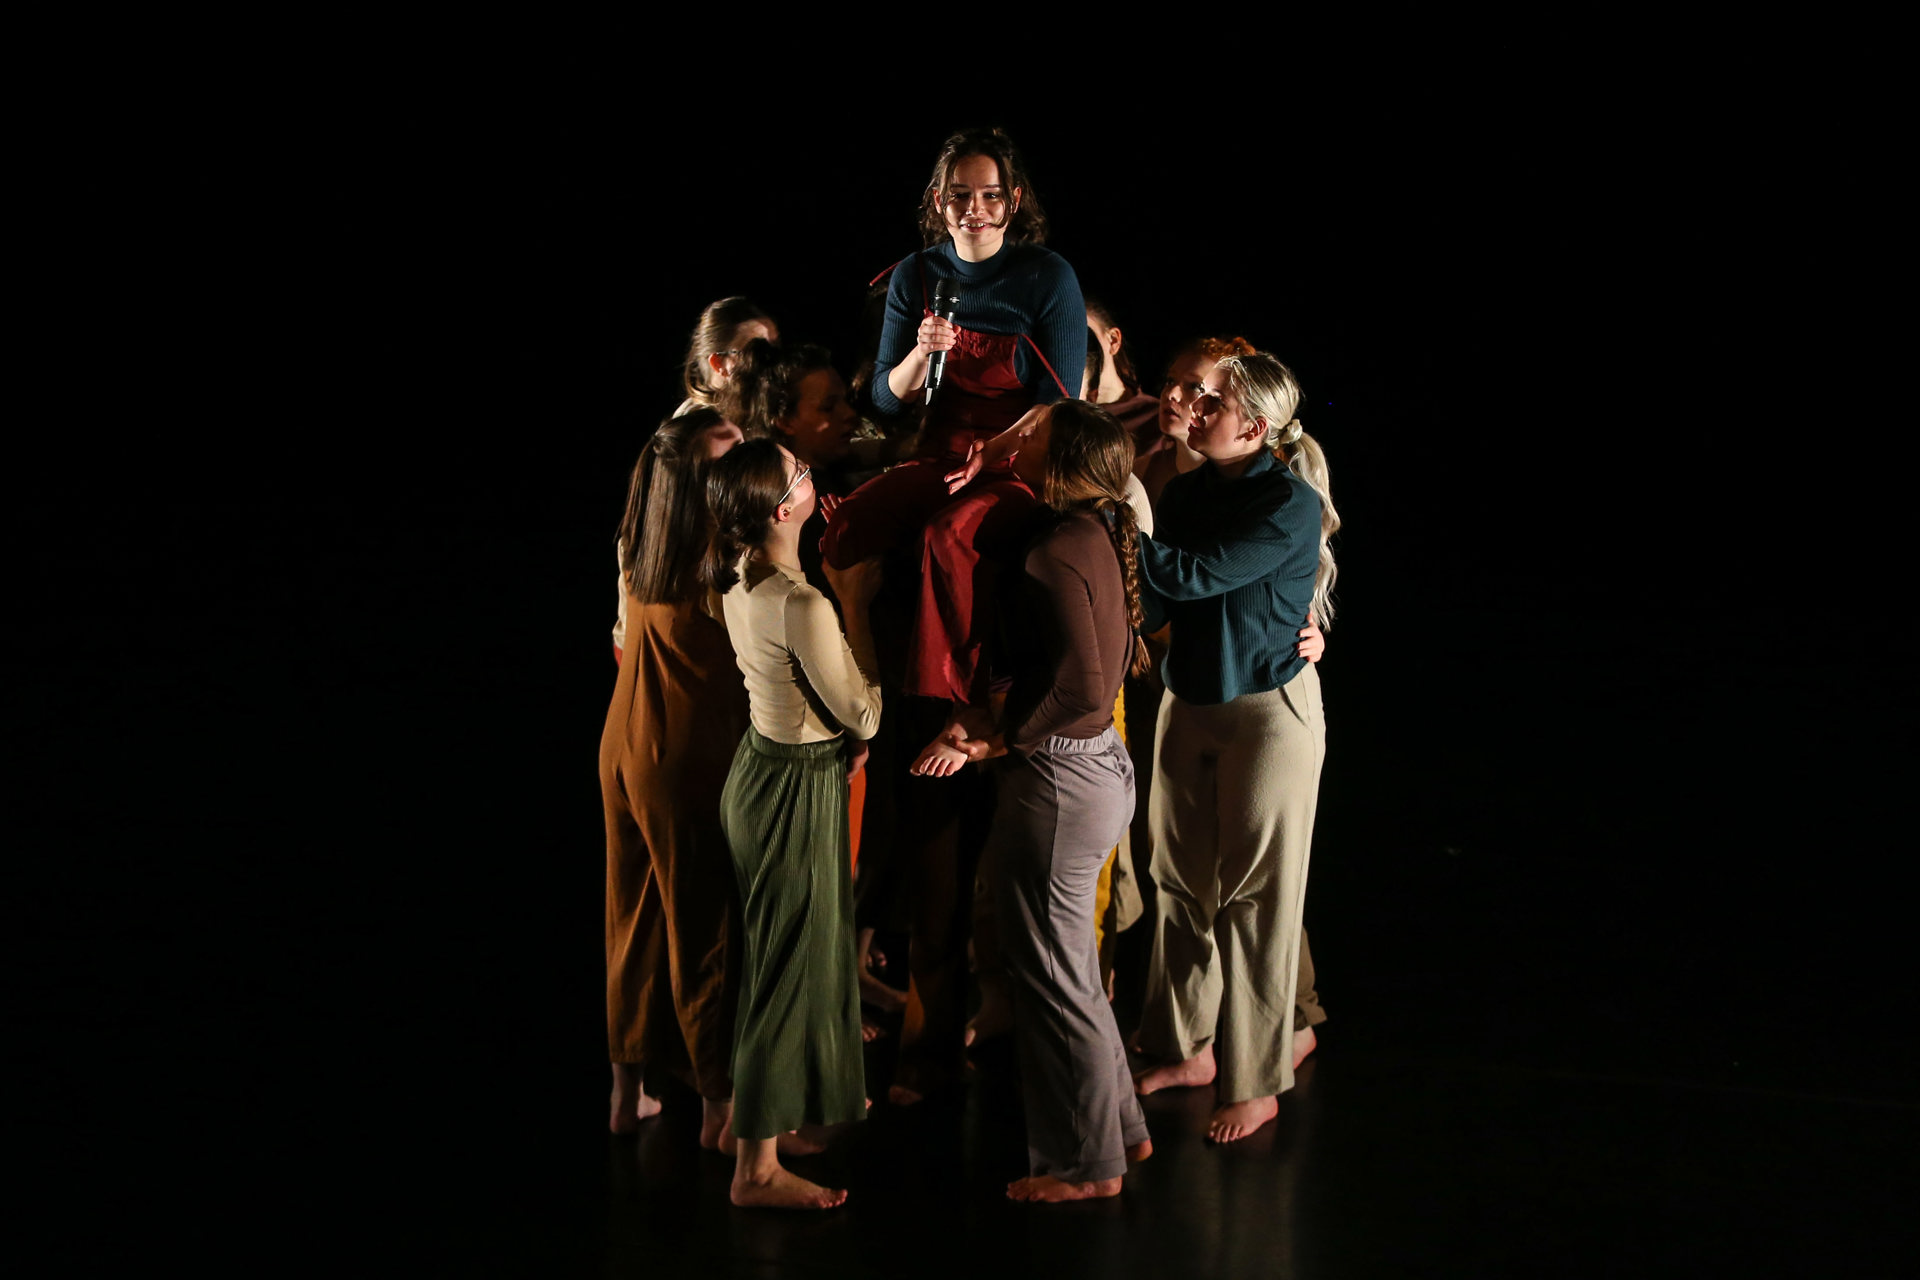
1245, 551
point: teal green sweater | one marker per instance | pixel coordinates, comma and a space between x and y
1231, 565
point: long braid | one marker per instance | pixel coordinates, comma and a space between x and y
1089, 459
1123, 530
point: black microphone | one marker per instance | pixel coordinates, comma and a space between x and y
944, 301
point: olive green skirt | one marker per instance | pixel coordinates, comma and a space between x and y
796, 1043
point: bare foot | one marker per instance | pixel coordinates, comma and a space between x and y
881, 996
716, 1124
1140, 1151
870, 1030
1047, 1189
995, 1017
1303, 1042
807, 1140
631, 1103
782, 1190
1238, 1119
1195, 1071
901, 1096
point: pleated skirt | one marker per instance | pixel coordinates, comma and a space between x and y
796, 1046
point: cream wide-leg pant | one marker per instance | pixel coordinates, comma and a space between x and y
1235, 787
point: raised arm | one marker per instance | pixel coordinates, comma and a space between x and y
908, 339
995, 451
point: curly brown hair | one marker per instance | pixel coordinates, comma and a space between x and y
1028, 222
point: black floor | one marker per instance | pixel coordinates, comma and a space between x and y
1615, 952
1380, 1164
1609, 891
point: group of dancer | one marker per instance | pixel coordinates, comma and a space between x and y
897, 658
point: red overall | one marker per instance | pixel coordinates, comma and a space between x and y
963, 537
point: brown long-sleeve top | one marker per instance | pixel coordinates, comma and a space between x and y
1067, 638
805, 682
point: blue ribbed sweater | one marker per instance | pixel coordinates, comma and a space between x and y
1231, 565
1024, 288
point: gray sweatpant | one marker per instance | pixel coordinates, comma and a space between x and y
1059, 813
1235, 787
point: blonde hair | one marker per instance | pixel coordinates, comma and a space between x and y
1266, 388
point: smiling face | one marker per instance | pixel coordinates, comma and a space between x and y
822, 425
977, 207
1185, 380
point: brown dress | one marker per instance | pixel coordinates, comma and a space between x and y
679, 711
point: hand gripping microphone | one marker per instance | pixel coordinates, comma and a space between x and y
944, 301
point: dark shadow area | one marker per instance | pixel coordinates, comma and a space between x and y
1604, 893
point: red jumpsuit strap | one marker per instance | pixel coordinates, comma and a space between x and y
1064, 393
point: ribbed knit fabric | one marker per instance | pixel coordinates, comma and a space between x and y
1232, 567
1024, 288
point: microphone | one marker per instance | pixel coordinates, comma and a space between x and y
944, 301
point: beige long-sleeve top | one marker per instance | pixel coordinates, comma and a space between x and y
804, 681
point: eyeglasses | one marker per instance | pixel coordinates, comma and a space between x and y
798, 476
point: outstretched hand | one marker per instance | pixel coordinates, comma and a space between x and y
976, 461
997, 450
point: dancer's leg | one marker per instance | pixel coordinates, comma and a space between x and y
1057, 816
1269, 787
1182, 1002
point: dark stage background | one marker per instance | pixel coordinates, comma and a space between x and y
1613, 696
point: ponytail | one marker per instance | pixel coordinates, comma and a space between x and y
715, 333
1267, 389
1089, 458
743, 489
1305, 458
